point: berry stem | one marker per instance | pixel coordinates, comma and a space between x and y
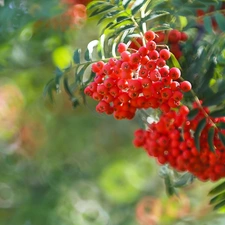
202, 109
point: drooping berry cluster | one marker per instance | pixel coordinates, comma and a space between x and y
171, 141
173, 39
139, 79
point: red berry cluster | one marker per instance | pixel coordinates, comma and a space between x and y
171, 38
139, 79
171, 141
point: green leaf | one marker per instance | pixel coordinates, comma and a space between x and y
94, 4
218, 198
126, 3
124, 28
87, 55
108, 15
222, 138
211, 133
218, 113
208, 24
121, 18
220, 20
215, 99
198, 132
75, 102
137, 8
183, 180
174, 61
58, 76
192, 114
67, 87
48, 89
79, 75
221, 125
76, 56
219, 205
154, 15
170, 189
203, 86
106, 27
218, 189
101, 10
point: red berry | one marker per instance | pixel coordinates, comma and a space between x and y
174, 73
151, 45
174, 36
185, 86
164, 54
149, 35
121, 47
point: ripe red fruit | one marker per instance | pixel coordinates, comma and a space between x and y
153, 54
96, 96
185, 86
121, 47
164, 54
151, 45
149, 35
184, 36
102, 89
155, 75
125, 56
160, 62
159, 36
134, 85
87, 91
174, 36
174, 73
109, 82
143, 51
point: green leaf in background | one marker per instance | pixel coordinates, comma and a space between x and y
48, 89
198, 132
87, 55
222, 137
76, 56
214, 99
220, 125
94, 4
208, 24
101, 10
218, 198
174, 61
219, 188
220, 19
137, 8
154, 15
126, 3
219, 205
185, 179
67, 87
211, 133
192, 114
218, 113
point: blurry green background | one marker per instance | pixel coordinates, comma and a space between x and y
65, 166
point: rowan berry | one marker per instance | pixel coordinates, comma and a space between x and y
164, 54
149, 35
174, 36
185, 86
151, 45
174, 73
121, 47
